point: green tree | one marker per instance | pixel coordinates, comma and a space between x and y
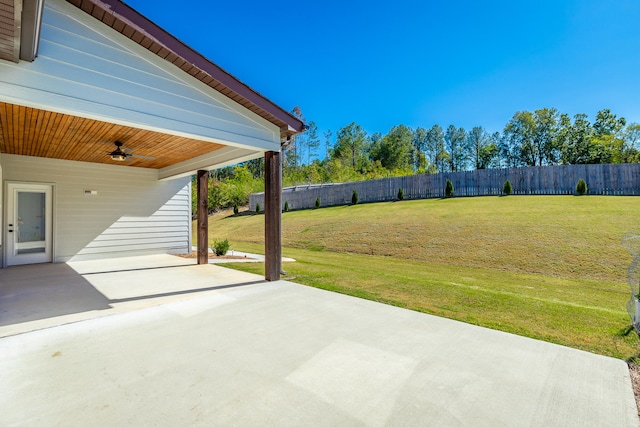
576, 147
256, 167
419, 148
581, 187
601, 142
232, 187
351, 146
327, 142
395, 150
339, 170
546, 136
631, 137
507, 188
608, 144
448, 189
489, 155
313, 142
507, 153
477, 138
435, 149
291, 149
520, 132
455, 145
534, 138
607, 123
483, 151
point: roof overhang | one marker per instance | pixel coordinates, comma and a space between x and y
138, 28
178, 154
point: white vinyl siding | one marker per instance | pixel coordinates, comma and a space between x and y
87, 69
132, 213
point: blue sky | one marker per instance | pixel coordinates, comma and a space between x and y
418, 63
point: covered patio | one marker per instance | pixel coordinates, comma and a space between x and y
41, 296
107, 116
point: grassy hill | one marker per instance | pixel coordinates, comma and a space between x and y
548, 267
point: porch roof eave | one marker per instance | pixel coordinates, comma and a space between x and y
126, 20
122, 18
226, 156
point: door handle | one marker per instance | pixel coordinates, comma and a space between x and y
10, 225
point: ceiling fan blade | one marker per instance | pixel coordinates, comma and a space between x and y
140, 156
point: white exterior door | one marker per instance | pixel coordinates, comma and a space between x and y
29, 223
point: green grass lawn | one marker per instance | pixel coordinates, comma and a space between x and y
547, 267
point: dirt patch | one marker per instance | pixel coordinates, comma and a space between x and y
634, 371
194, 254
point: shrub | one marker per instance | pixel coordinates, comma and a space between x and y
400, 194
318, 202
507, 188
286, 206
448, 189
235, 209
257, 207
581, 187
354, 198
220, 247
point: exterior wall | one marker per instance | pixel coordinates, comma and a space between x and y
132, 213
85, 68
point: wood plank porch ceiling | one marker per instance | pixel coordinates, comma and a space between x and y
33, 132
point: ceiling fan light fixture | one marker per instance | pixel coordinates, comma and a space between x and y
118, 155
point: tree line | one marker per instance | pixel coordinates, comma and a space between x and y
539, 138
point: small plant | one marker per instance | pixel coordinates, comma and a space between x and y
286, 206
354, 198
507, 188
581, 187
257, 207
318, 202
400, 194
220, 247
448, 189
235, 209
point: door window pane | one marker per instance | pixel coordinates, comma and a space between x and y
31, 222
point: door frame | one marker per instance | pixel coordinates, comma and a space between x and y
11, 188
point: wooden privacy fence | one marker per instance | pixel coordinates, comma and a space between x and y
618, 179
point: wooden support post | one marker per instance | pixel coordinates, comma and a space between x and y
272, 215
203, 217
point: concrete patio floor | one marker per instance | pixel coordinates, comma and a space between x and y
159, 341
44, 295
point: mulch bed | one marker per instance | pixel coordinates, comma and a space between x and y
194, 254
634, 371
